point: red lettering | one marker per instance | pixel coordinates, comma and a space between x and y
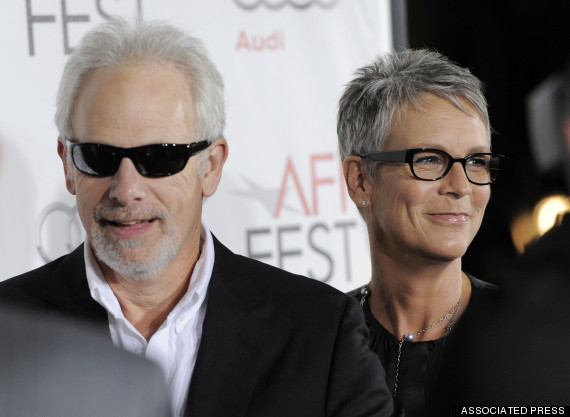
316, 181
260, 43
290, 171
243, 42
276, 41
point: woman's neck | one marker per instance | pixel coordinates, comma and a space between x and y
407, 299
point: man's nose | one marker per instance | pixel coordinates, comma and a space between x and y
127, 184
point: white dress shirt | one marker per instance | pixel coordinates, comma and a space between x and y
175, 344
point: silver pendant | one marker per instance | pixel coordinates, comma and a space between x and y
409, 337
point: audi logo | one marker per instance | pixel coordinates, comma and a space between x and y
59, 231
102, 12
278, 4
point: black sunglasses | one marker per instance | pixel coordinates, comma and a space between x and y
157, 160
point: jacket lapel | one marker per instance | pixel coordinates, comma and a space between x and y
68, 290
230, 355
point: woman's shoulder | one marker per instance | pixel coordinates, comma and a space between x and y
484, 297
478, 284
357, 292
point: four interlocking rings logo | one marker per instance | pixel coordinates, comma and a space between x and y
59, 231
102, 12
278, 4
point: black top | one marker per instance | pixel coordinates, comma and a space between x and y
420, 362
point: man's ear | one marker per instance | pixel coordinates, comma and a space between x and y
212, 168
358, 181
68, 170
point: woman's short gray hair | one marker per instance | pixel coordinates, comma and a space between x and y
118, 42
375, 98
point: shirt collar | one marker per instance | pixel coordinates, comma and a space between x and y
103, 294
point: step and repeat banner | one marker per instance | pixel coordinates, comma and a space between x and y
282, 199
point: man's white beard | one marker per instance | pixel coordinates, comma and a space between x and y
138, 259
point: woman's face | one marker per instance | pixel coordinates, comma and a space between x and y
431, 219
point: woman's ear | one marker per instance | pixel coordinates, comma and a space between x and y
358, 181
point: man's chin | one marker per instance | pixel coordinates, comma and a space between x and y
133, 269
132, 261
137, 259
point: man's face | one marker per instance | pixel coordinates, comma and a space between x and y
138, 226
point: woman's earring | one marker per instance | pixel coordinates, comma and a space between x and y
363, 203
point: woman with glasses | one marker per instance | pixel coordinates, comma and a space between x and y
414, 137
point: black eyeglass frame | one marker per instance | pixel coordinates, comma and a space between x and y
134, 154
407, 156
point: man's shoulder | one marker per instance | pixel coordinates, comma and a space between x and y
269, 279
34, 276
28, 287
274, 275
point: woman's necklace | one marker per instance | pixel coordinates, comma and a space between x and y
409, 337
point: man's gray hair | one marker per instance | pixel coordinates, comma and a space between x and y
375, 98
118, 42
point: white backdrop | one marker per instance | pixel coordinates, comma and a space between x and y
281, 200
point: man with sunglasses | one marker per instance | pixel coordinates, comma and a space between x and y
140, 114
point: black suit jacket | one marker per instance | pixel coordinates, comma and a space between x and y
273, 344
